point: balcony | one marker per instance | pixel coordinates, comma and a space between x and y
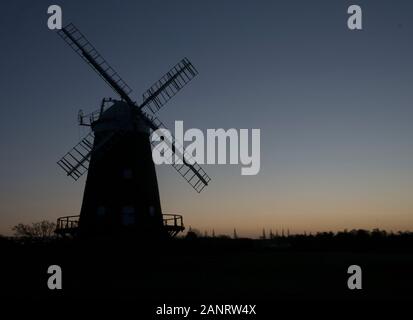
69, 225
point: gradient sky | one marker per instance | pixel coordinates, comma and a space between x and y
333, 105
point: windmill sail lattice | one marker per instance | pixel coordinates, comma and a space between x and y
169, 85
189, 169
76, 162
78, 42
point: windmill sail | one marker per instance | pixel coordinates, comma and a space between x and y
169, 85
78, 42
189, 169
76, 162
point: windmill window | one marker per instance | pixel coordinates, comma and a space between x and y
127, 174
151, 211
101, 211
128, 216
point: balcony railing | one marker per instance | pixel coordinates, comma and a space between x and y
172, 220
69, 225
173, 224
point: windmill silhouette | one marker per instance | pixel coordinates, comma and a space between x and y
121, 193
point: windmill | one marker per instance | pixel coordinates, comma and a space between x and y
121, 193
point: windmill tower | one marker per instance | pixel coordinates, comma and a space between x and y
121, 192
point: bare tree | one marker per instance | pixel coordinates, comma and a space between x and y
43, 229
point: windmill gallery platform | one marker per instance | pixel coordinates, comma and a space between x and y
69, 225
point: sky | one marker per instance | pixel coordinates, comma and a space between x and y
333, 106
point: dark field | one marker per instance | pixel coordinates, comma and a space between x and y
202, 270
